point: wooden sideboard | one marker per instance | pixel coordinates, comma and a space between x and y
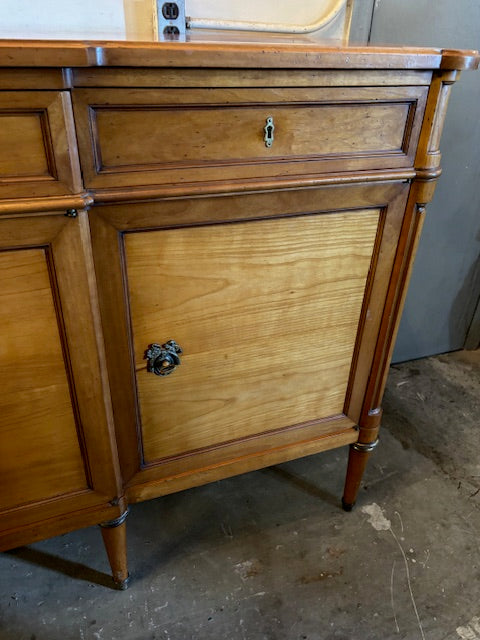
205, 249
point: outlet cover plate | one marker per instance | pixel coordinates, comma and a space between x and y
171, 20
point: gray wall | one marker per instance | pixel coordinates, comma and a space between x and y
445, 285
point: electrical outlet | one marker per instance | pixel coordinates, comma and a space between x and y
170, 10
171, 20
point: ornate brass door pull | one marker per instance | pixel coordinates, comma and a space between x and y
163, 359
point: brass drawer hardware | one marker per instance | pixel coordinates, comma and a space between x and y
163, 359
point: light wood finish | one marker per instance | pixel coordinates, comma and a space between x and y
256, 53
22, 142
38, 155
35, 402
359, 454
249, 51
55, 415
200, 78
254, 185
51, 205
39, 79
238, 456
428, 152
267, 323
141, 137
281, 272
112, 226
258, 458
115, 540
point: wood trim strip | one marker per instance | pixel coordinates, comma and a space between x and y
40, 78
137, 194
260, 436
50, 250
164, 486
144, 77
264, 55
69, 53
460, 59
365, 306
406, 257
40, 205
236, 187
57, 524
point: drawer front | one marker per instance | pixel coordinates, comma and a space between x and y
141, 137
38, 154
266, 313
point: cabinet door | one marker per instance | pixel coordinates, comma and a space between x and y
57, 468
269, 297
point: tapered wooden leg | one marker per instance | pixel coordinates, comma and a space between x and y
357, 461
114, 534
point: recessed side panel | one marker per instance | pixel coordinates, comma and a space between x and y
266, 313
38, 151
41, 455
22, 146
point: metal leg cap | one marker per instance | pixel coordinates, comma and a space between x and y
121, 586
347, 506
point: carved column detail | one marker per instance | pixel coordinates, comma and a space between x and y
428, 158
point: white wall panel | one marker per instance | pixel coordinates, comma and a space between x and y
134, 19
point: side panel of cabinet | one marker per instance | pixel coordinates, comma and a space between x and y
58, 469
277, 299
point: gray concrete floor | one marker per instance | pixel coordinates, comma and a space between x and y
271, 556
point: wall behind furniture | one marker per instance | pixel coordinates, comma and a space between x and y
134, 19
61, 19
445, 285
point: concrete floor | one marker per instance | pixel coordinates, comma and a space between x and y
271, 556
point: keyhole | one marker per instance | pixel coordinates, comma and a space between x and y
269, 129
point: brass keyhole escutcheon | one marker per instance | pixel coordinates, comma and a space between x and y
269, 129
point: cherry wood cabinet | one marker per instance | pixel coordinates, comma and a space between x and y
210, 280
269, 296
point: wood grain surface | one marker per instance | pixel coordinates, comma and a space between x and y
40, 457
159, 136
38, 150
22, 147
266, 313
133, 137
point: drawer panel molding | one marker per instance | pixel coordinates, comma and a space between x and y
145, 137
38, 151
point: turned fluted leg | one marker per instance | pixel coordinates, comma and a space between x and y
114, 534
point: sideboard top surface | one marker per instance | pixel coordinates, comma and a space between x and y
251, 52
